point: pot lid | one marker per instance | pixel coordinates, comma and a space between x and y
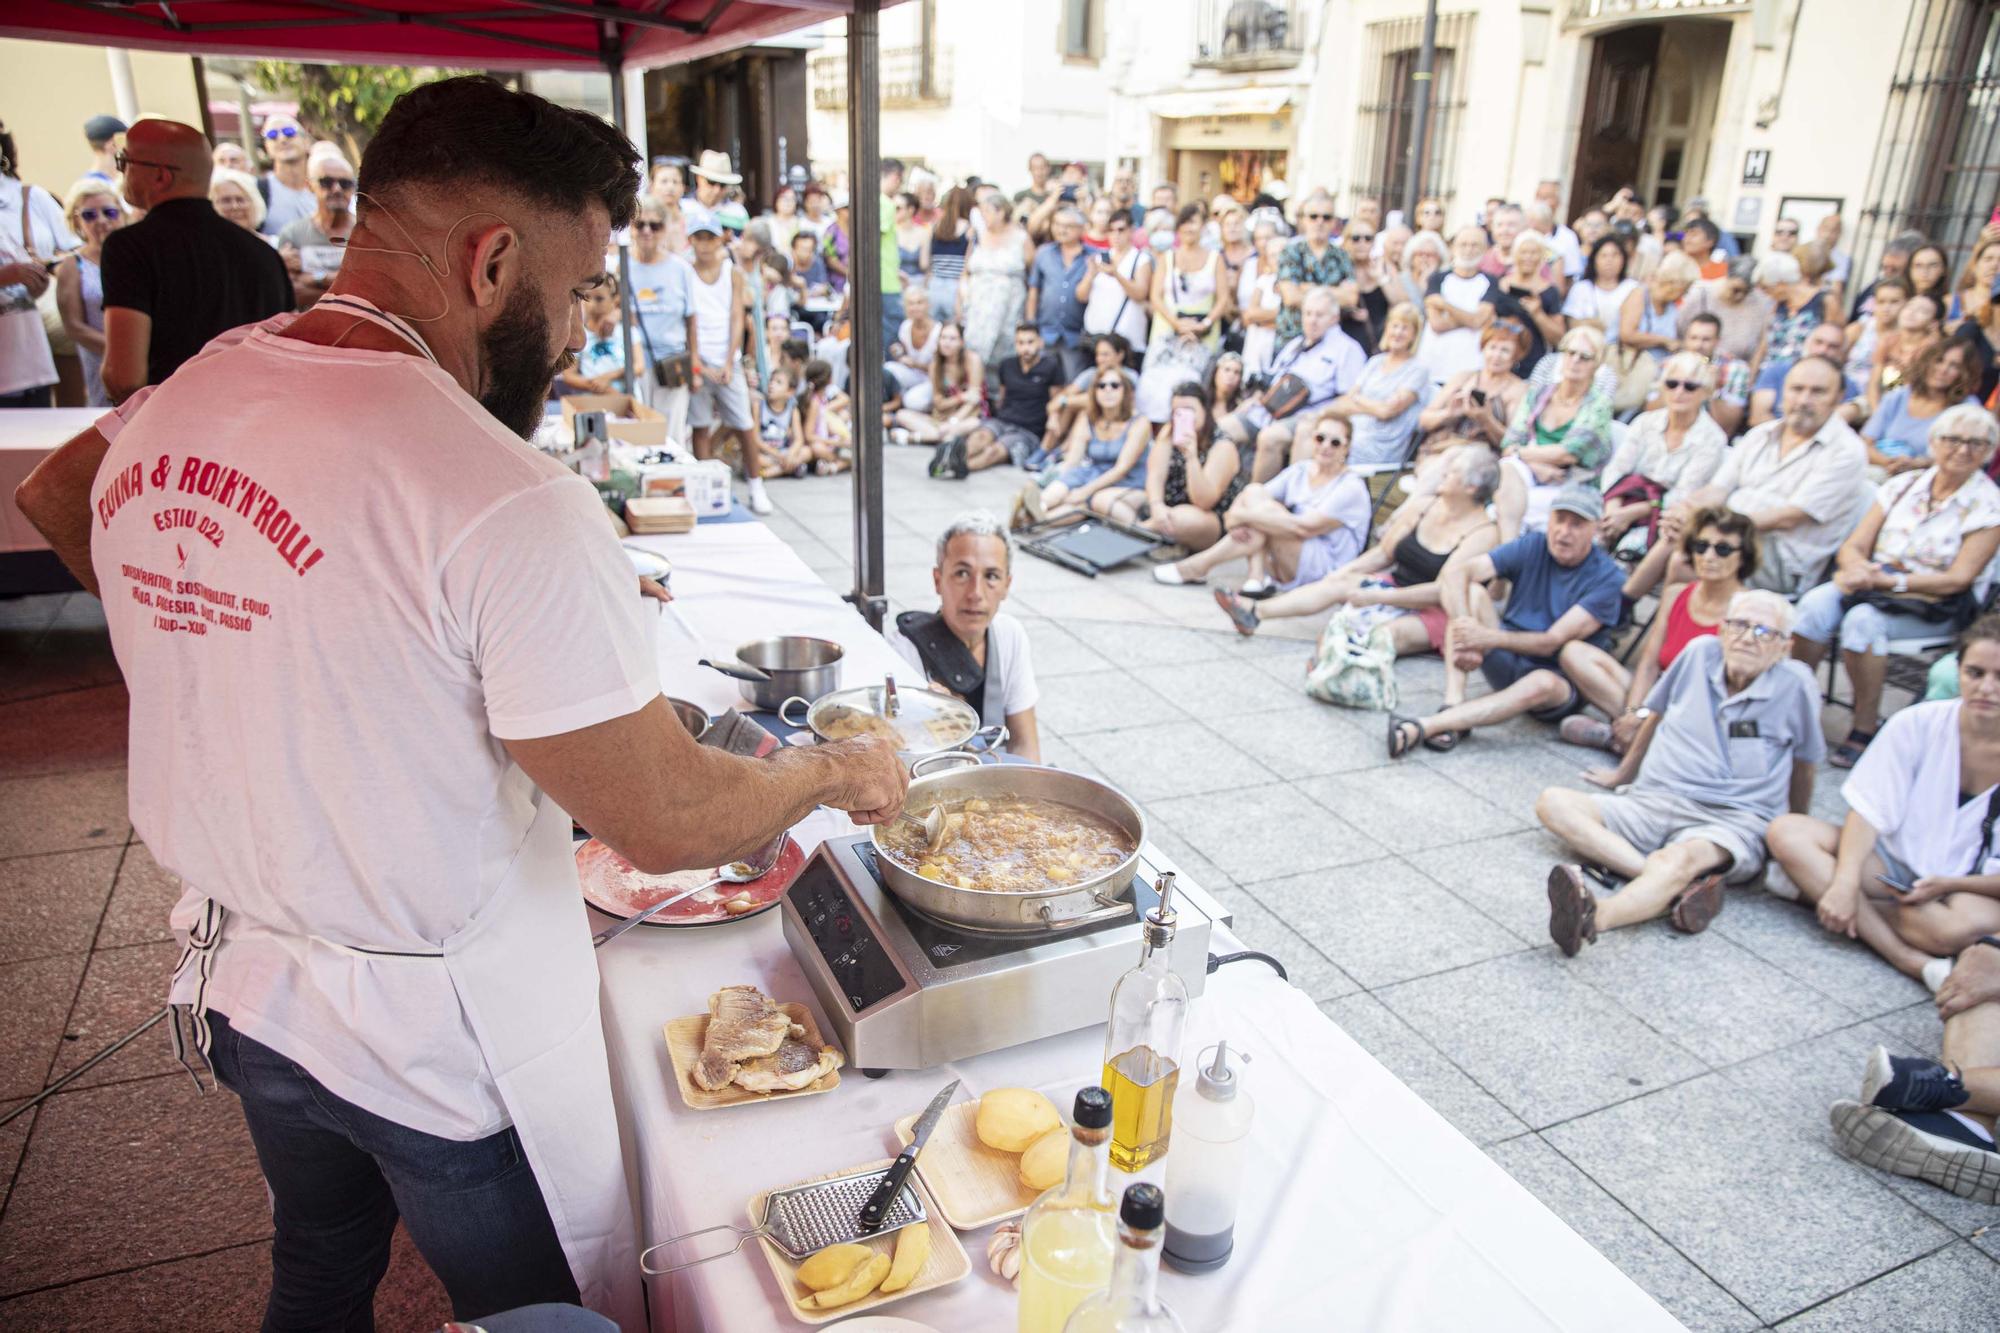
926, 719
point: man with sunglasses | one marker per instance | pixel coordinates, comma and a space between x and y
183, 273
1312, 260
1727, 742
312, 246
287, 192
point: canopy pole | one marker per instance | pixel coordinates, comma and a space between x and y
1420, 130
627, 310
864, 303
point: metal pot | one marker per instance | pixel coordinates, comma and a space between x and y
928, 721
795, 664
1057, 908
693, 716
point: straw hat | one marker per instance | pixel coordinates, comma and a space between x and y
714, 166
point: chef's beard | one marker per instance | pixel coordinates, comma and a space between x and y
515, 350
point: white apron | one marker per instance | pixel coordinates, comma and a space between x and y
527, 977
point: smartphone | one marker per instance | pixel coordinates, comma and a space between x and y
1068, 194
1897, 885
1479, 396
1184, 425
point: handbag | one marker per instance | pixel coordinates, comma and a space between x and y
1354, 663
1633, 486
1287, 395
1636, 372
1956, 611
671, 373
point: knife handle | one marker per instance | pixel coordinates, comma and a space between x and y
877, 1208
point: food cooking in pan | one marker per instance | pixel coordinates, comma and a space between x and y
839, 724
1010, 844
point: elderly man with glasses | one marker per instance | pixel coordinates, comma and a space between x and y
1312, 260
312, 246
1727, 742
183, 273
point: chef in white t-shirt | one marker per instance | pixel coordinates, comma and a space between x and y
969, 646
380, 650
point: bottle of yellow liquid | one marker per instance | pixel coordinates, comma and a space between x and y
1143, 1041
1070, 1234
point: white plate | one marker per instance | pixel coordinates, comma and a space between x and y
649, 565
882, 1323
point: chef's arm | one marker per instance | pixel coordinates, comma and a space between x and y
56, 499
642, 785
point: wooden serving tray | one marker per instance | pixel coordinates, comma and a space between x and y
974, 1185
944, 1265
684, 1038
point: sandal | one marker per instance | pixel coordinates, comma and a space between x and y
1572, 910
1400, 741
1241, 614
1700, 904
1445, 741
1849, 752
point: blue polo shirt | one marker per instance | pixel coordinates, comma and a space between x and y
1726, 749
1058, 312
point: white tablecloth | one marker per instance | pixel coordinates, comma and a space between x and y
1362, 1207
27, 436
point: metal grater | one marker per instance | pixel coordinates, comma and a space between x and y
804, 1219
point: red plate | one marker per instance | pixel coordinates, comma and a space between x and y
617, 888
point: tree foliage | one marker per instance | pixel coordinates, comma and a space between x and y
344, 103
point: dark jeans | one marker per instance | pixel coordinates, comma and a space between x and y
892, 318
42, 397
341, 1176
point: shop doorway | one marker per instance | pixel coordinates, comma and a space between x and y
1648, 109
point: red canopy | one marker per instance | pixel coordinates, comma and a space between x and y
477, 34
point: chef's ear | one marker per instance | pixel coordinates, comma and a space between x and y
497, 264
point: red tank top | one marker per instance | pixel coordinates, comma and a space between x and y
1682, 628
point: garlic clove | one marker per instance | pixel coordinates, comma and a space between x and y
1003, 1251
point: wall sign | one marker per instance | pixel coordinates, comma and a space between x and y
1756, 163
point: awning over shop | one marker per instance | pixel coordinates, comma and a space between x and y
1221, 102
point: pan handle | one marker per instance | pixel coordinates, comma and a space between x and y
948, 756
646, 1255
992, 737
785, 717
1112, 910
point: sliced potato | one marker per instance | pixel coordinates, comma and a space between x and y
864, 1279
1042, 1166
913, 1246
833, 1266
1010, 1119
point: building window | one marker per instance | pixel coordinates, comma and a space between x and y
1082, 29
1937, 160
1385, 130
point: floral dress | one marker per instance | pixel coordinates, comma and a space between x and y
996, 294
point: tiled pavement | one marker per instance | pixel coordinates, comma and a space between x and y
1665, 1094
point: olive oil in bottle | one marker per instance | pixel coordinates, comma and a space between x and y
1143, 1041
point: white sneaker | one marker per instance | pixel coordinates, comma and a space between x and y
1935, 971
1778, 884
1170, 574
760, 503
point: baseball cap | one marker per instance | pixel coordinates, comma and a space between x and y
103, 129
1585, 501
698, 219
732, 217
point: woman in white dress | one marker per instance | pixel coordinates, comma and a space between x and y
994, 289
1189, 305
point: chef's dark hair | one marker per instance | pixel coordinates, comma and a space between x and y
474, 131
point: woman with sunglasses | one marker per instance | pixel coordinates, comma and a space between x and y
1295, 529
1669, 453
93, 212
1909, 569
1108, 440
1721, 546
1914, 870
1560, 434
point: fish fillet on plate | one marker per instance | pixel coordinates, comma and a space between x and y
752, 1043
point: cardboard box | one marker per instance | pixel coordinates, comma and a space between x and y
659, 514
633, 421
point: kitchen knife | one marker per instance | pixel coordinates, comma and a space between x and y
885, 1193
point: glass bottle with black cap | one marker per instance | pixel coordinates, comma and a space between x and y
1132, 1303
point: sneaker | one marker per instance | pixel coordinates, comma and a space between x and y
1909, 1083
1572, 910
1778, 884
1171, 576
1585, 731
1935, 1147
760, 503
1935, 971
948, 461
900, 435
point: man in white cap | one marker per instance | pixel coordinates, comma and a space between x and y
1566, 590
712, 177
